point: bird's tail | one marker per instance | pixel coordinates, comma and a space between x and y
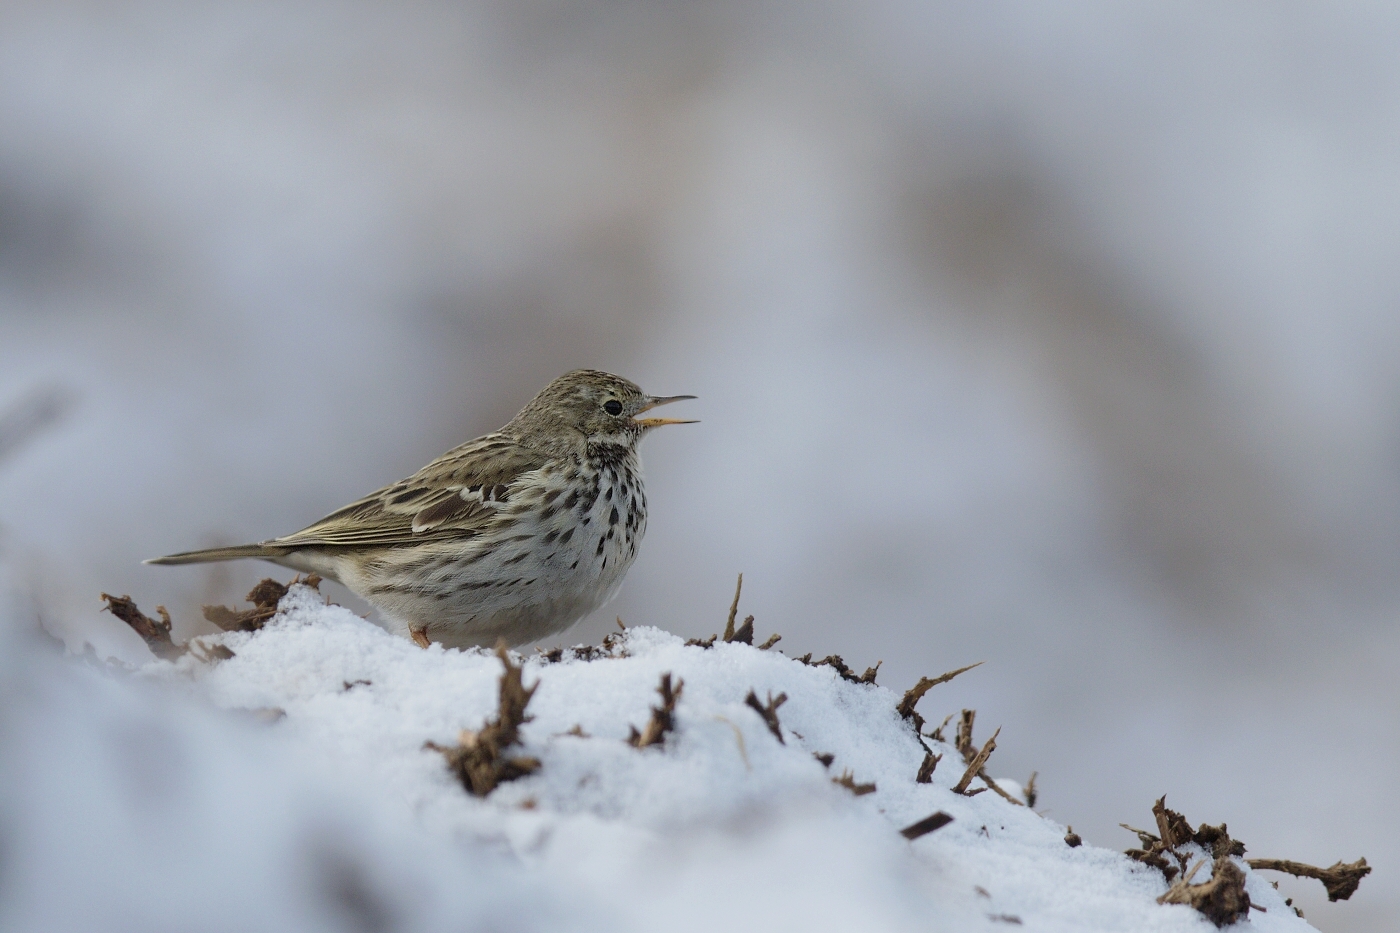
265, 551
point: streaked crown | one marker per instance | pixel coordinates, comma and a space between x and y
585, 406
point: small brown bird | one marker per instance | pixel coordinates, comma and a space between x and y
515, 535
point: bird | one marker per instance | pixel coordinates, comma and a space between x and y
514, 536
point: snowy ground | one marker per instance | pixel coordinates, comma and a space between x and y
161, 801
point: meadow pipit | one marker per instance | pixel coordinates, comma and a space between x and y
515, 535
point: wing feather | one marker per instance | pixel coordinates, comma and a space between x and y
455, 496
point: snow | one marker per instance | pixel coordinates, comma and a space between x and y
158, 801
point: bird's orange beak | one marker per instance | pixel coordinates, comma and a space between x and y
657, 422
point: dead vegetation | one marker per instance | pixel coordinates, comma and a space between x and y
662, 717
848, 781
209, 653
1222, 899
914, 694
482, 760
974, 767
155, 633
743, 634
975, 758
768, 712
612, 647
1173, 832
925, 826
1341, 880
834, 661
264, 597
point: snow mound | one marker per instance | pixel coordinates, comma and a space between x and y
129, 807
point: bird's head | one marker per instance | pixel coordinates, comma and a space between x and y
588, 406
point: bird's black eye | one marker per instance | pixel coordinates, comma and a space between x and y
612, 406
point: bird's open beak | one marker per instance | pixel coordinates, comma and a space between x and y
657, 422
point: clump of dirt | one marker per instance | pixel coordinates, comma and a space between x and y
1222, 900
1173, 831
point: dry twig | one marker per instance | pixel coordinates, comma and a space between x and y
155, 633
1172, 827
1341, 880
963, 741
733, 610
925, 826
742, 635
769, 713
834, 661
662, 717
998, 789
925, 775
970, 754
975, 765
916, 693
847, 781
479, 759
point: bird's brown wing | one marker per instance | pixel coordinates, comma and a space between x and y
455, 496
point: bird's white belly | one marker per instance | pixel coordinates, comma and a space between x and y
552, 567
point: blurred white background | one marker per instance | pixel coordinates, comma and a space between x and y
1065, 339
